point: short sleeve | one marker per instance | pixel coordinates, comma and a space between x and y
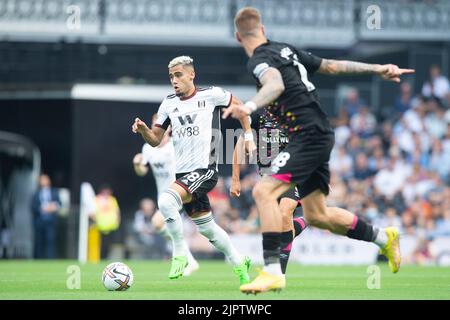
310, 61
163, 120
259, 63
146, 153
221, 97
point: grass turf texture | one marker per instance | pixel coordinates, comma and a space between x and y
216, 280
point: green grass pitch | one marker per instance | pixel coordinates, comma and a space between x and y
215, 280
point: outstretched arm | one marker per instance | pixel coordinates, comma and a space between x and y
272, 87
152, 136
389, 72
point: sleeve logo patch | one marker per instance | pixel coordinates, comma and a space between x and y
260, 69
286, 52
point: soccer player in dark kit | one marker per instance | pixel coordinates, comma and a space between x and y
270, 141
282, 74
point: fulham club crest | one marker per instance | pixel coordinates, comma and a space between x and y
202, 104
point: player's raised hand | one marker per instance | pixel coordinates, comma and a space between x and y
235, 189
139, 126
391, 72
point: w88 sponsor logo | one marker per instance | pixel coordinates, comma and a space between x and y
188, 131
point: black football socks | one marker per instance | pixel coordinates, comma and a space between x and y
286, 241
271, 247
361, 230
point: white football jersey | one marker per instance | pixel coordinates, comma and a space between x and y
162, 162
195, 122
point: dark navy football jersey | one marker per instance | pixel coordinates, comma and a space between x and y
298, 107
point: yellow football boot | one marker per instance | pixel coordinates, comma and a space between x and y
392, 249
264, 282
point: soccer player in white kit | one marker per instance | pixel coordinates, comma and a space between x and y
161, 160
194, 115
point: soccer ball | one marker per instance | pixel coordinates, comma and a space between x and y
117, 277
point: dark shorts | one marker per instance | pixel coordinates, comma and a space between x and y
198, 183
304, 162
292, 194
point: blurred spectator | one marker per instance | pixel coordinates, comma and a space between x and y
447, 114
362, 170
440, 160
446, 140
342, 131
412, 119
355, 146
421, 149
435, 122
386, 135
437, 86
363, 122
341, 163
377, 160
356, 198
442, 225
146, 230
403, 101
372, 143
417, 184
352, 102
390, 180
5, 239
107, 219
45, 206
390, 218
337, 198
408, 223
370, 211
410, 128
143, 221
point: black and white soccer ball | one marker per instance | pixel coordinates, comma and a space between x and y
117, 276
